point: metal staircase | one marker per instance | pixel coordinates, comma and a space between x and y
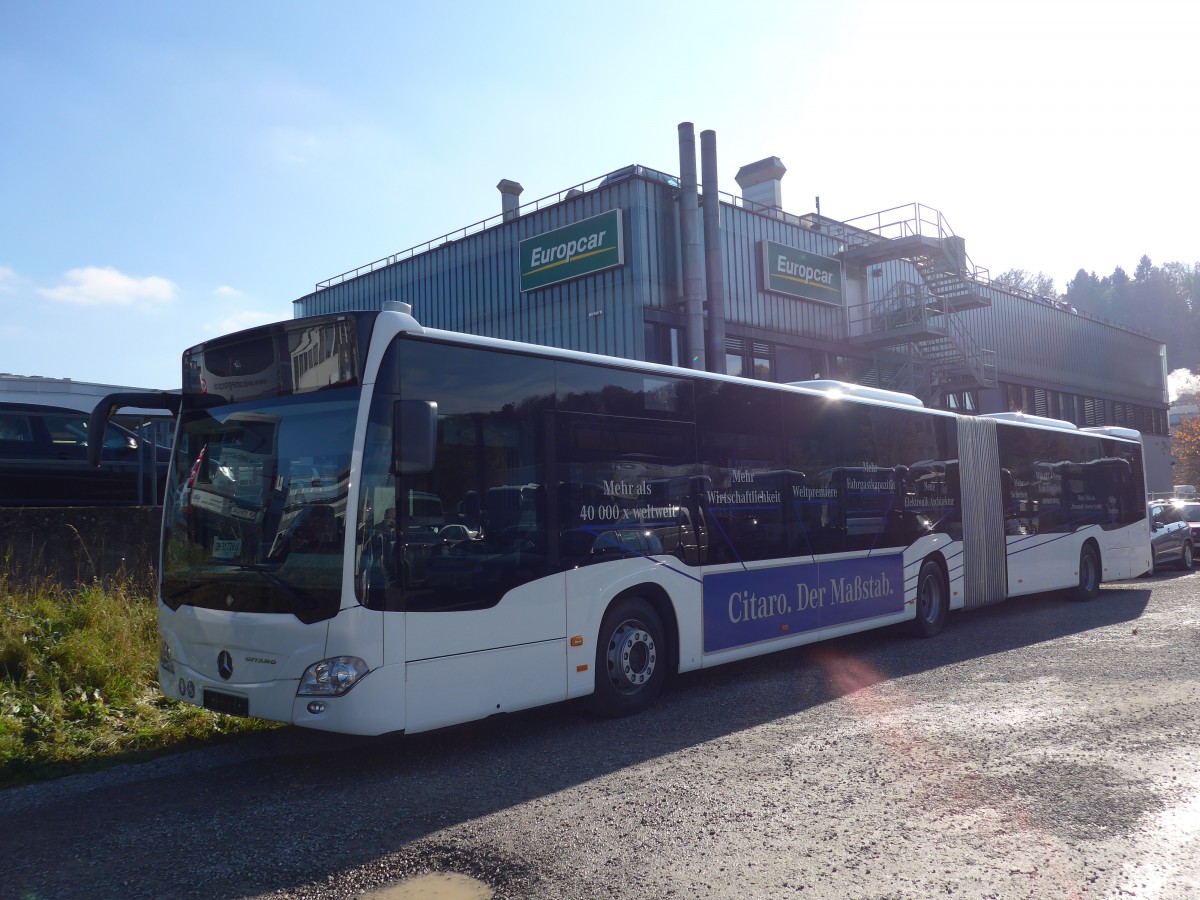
919, 340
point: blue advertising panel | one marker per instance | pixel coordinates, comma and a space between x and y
748, 606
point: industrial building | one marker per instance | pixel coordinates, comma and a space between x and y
650, 266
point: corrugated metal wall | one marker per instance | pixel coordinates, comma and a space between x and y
746, 304
1037, 341
473, 284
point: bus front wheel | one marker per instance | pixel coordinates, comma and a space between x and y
1089, 574
933, 600
630, 659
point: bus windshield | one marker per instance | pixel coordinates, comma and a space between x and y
257, 505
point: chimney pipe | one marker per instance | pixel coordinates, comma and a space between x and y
689, 228
510, 198
714, 259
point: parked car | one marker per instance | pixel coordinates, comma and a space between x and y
1171, 540
1190, 510
43, 461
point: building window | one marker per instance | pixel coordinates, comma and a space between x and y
753, 359
764, 365
962, 401
1016, 398
663, 344
1041, 405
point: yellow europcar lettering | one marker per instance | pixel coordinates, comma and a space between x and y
565, 252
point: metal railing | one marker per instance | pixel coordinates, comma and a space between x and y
909, 220
911, 306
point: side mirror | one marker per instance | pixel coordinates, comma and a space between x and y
103, 411
414, 436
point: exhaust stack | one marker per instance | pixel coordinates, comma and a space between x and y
510, 199
689, 229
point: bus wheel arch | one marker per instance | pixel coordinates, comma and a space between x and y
933, 597
636, 648
1090, 572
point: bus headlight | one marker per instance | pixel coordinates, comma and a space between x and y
166, 661
332, 677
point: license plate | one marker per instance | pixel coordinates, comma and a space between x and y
226, 703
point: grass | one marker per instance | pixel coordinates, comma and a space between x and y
79, 685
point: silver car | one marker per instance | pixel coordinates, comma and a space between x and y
1170, 537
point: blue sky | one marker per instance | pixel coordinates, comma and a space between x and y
170, 172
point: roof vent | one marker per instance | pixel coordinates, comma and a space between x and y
510, 200
760, 182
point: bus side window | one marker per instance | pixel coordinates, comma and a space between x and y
739, 436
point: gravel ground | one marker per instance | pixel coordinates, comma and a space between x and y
1038, 749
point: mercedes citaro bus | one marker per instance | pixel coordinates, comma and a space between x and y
499, 525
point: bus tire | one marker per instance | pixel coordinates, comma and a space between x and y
631, 659
933, 600
1089, 573
1188, 559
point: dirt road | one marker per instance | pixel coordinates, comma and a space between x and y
1040, 748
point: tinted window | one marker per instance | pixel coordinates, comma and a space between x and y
616, 392
256, 518
624, 489
740, 445
865, 477
489, 476
15, 427
44, 455
1060, 481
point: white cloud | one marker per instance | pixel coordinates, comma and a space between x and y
8, 279
94, 286
227, 291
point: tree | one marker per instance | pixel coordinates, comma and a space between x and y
1117, 304
1185, 345
1163, 301
1040, 285
1186, 448
1083, 292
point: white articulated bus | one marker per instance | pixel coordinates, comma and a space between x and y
422, 528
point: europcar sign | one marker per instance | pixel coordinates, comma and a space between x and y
787, 270
580, 248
